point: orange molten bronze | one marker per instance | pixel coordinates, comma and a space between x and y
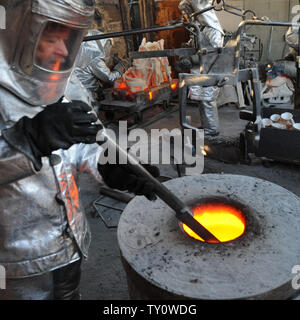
224, 221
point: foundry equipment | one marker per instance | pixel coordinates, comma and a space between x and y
137, 91
263, 142
122, 99
222, 67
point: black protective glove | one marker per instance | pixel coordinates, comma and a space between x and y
122, 66
123, 178
183, 65
58, 126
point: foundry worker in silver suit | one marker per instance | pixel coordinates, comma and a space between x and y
45, 143
95, 67
214, 37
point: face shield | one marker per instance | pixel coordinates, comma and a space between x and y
57, 47
37, 62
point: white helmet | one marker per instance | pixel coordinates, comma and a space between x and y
39, 46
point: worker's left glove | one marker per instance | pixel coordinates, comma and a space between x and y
58, 126
122, 177
122, 66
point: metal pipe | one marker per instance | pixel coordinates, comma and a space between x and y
196, 14
148, 30
233, 7
134, 31
234, 13
270, 43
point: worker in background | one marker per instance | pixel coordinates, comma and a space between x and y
288, 65
95, 66
44, 144
214, 37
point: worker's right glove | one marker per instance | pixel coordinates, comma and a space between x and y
122, 66
122, 177
183, 65
58, 126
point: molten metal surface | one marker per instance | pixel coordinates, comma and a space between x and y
224, 221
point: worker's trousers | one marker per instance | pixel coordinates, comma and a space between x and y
60, 284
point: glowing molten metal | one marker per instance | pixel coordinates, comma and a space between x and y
224, 221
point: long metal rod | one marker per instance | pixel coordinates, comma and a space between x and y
196, 14
183, 213
134, 31
233, 7
234, 13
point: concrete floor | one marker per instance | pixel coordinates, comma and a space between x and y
103, 277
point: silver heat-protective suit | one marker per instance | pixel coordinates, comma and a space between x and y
91, 66
214, 37
42, 223
289, 64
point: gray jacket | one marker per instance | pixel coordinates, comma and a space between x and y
42, 222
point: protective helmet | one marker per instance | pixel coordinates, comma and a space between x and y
39, 46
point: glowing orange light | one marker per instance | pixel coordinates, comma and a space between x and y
122, 85
150, 95
136, 89
225, 222
56, 67
173, 86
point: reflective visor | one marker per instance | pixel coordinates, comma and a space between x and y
57, 47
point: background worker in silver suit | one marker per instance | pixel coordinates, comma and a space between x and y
45, 143
214, 37
95, 67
